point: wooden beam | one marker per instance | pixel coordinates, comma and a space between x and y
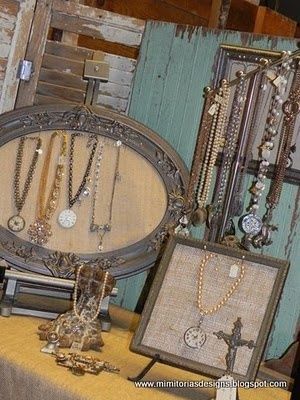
35, 51
219, 14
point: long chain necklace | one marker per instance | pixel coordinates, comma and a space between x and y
91, 309
195, 336
40, 231
215, 140
291, 109
103, 229
230, 145
67, 218
251, 224
16, 223
236, 207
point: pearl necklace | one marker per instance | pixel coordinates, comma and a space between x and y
83, 316
215, 141
226, 297
195, 336
231, 139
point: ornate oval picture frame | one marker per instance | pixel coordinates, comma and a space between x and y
166, 163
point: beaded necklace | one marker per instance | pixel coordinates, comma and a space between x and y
291, 109
231, 139
215, 140
251, 223
195, 336
89, 313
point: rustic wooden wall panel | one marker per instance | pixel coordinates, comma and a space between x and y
8, 18
175, 63
59, 67
17, 51
61, 76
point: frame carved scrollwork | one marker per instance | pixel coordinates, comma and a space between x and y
123, 262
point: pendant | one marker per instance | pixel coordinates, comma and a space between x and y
67, 218
39, 232
199, 216
16, 223
251, 224
195, 337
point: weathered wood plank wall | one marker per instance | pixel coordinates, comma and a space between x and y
15, 22
175, 63
8, 17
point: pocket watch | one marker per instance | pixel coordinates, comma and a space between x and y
67, 218
251, 224
16, 223
194, 337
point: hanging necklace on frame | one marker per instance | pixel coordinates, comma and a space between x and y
291, 109
195, 337
103, 229
251, 223
67, 218
215, 140
231, 136
40, 231
16, 223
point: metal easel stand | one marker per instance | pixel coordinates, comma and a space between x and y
144, 371
16, 282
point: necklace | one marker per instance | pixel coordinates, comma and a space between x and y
40, 231
231, 139
102, 229
214, 142
16, 223
67, 218
91, 310
251, 223
291, 109
195, 336
237, 205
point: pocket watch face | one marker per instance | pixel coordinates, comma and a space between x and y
67, 219
251, 224
16, 223
194, 337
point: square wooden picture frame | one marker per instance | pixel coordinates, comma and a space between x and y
172, 306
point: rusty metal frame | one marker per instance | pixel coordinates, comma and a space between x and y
123, 262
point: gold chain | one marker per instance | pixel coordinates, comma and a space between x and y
226, 297
47, 210
40, 231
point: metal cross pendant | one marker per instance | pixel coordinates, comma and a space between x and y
234, 341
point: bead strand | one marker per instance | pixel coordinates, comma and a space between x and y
204, 262
97, 311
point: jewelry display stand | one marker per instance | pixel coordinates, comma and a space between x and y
261, 111
121, 237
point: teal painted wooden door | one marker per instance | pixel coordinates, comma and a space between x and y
175, 64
